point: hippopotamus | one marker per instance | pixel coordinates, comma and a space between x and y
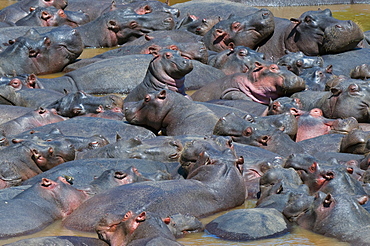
211, 182
135, 229
39, 206
106, 128
246, 30
297, 61
18, 94
60, 240
83, 172
96, 9
166, 71
172, 113
41, 53
312, 124
196, 25
356, 142
261, 83
348, 99
119, 26
316, 77
314, 33
215, 9
361, 72
161, 148
30, 120
328, 212
235, 60
283, 105
16, 11
236, 225
51, 16
187, 44
263, 136
80, 103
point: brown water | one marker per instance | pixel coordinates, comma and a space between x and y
359, 13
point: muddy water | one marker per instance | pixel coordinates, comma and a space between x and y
359, 13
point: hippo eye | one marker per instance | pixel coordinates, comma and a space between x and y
243, 53
147, 98
308, 19
236, 25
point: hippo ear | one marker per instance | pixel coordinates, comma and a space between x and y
313, 167
329, 69
327, 201
247, 132
328, 12
362, 200
167, 220
295, 21
141, 217
61, 13
154, 50
113, 26
162, 94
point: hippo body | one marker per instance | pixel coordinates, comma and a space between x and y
41, 53
39, 206
16, 11
195, 195
300, 35
260, 84
166, 71
172, 112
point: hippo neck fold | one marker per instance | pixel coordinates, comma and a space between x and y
162, 80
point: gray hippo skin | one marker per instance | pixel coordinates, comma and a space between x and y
60, 241
313, 33
166, 71
201, 194
122, 25
326, 215
171, 112
51, 16
41, 53
135, 229
39, 206
18, 10
243, 30
261, 83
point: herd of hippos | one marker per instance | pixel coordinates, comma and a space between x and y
201, 106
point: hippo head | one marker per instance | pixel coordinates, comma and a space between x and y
118, 229
348, 99
298, 62
62, 194
320, 33
48, 154
248, 31
236, 60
